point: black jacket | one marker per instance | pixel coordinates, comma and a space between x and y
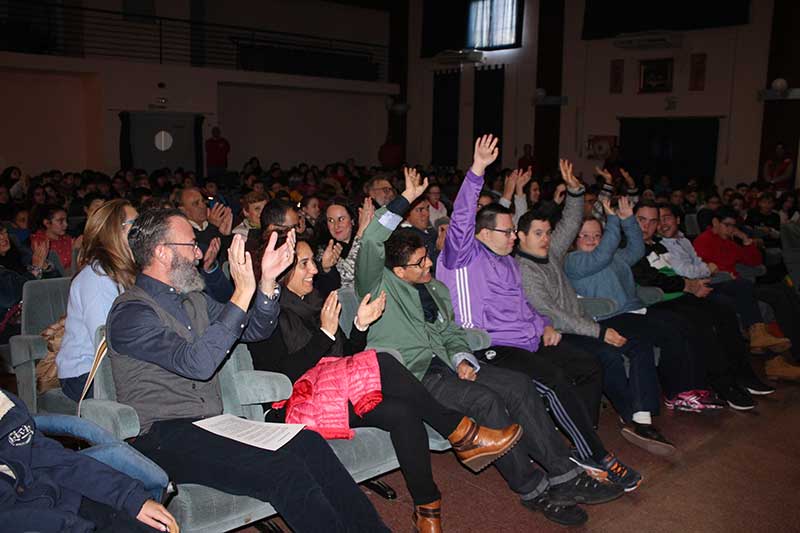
646, 275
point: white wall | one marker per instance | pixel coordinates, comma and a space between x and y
736, 70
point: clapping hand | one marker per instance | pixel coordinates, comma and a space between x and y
275, 261
211, 254
370, 312
486, 152
331, 255
40, 251
329, 318
242, 274
523, 179
414, 186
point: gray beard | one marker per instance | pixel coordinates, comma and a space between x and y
184, 276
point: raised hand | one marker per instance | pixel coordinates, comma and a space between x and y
625, 208
628, 178
609, 179
242, 274
331, 255
566, 172
613, 338
329, 318
523, 179
370, 312
414, 186
365, 215
276, 261
40, 251
211, 254
560, 193
510, 184
606, 203
216, 214
486, 151
226, 225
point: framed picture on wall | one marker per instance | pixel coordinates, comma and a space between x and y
655, 75
600, 146
616, 76
697, 72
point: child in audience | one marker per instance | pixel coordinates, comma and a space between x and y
51, 227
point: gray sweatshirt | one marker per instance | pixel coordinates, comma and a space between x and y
544, 281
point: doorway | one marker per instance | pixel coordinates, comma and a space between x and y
158, 140
680, 148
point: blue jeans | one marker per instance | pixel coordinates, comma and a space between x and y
628, 395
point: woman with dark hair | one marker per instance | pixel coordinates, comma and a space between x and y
51, 227
37, 196
338, 240
308, 330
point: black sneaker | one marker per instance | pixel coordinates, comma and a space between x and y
585, 489
647, 437
566, 515
738, 398
755, 386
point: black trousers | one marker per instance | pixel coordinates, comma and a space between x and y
498, 398
714, 334
786, 305
406, 405
303, 480
570, 380
106, 519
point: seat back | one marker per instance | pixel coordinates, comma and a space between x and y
349, 301
692, 225
44, 301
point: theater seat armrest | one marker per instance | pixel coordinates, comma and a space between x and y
258, 386
119, 419
27, 348
649, 295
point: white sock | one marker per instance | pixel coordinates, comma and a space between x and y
642, 417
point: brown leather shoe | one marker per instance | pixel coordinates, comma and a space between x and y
428, 518
478, 447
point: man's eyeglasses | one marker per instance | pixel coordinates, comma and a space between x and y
192, 244
384, 189
419, 264
507, 232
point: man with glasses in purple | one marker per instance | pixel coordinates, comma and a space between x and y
486, 290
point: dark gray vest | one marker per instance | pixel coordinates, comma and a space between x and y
155, 393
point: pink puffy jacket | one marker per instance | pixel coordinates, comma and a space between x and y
320, 397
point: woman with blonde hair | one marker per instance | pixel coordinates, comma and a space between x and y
105, 269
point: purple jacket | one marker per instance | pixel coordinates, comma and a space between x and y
486, 288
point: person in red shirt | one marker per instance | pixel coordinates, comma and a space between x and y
217, 150
717, 245
52, 229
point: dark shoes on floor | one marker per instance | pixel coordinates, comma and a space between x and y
566, 515
647, 437
584, 489
737, 397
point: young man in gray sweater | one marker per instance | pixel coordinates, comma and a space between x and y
541, 255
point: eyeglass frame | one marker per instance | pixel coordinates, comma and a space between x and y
194, 245
508, 232
419, 264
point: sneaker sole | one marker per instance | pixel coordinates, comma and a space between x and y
757, 392
610, 498
481, 461
634, 487
741, 407
597, 473
655, 447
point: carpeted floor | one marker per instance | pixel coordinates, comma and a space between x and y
736, 472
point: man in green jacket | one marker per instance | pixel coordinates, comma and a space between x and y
418, 323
